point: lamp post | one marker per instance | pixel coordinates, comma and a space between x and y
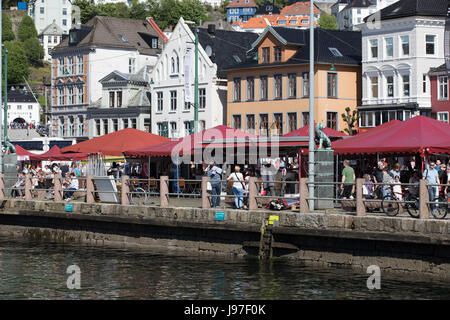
1, 57
196, 77
312, 144
5, 105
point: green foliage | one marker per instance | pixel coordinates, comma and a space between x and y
18, 67
327, 21
351, 118
27, 30
87, 10
34, 51
7, 31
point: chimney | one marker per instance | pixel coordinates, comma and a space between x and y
212, 29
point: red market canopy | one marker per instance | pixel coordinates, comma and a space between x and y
54, 154
116, 143
186, 145
414, 135
304, 132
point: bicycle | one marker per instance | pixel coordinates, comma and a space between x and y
440, 209
390, 204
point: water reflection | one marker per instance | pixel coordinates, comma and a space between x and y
38, 271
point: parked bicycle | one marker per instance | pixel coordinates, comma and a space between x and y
391, 203
439, 209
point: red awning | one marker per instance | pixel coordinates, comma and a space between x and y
187, 144
54, 154
116, 143
304, 132
414, 135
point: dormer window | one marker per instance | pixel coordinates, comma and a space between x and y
123, 38
154, 43
335, 52
73, 37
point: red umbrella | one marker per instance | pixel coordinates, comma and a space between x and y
304, 132
54, 154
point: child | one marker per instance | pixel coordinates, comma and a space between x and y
397, 188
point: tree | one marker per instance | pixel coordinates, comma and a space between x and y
138, 10
18, 67
351, 118
7, 31
34, 51
27, 29
87, 10
327, 21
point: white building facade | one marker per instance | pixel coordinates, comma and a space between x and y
45, 12
396, 59
171, 115
23, 108
50, 37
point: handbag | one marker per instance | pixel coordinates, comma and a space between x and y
208, 186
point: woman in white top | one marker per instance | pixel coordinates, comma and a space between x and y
238, 187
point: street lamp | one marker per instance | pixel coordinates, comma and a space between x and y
312, 144
196, 77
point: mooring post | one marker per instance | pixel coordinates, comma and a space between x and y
125, 190
205, 199
252, 193
2, 186
28, 186
89, 189
304, 193
57, 187
424, 197
360, 207
163, 191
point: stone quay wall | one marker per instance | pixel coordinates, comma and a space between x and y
403, 245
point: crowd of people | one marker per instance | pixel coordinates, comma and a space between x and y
23, 125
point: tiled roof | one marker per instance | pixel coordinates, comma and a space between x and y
266, 8
441, 70
20, 96
276, 20
410, 8
298, 8
52, 29
360, 4
116, 33
348, 43
242, 4
228, 47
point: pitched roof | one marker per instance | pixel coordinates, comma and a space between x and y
228, 47
52, 29
267, 8
20, 96
242, 4
360, 4
275, 20
348, 43
411, 8
116, 33
298, 8
441, 70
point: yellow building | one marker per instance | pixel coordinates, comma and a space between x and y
269, 93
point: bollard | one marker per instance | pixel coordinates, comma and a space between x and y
125, 190
424, 196
163, 191
304, 193
57, 187
252, 193
205, 198
360, 207
90, 190
2, 186
28, 187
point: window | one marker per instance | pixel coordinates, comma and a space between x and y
442, 116
292, 121
237, 121
125, 123
266, 55
70, 67
119, 98
281, 22
263, 88
98, 127
250, 88
429, 43
134, 123
332, 85
424, 83
305, 84
131, 65
64, 22
277, 54
305, 117
173, 130
405, 45
237, 89
292, 85
160, 101
374, 48
30, 107
64, 11
60, 95
202, 125
278, 92
115, 124
71, 95
332, 120
173, 100
160, 129
155, 43
80, 65
390, 86
80, 94
70, 123
111, 99
61, 126
335, 52
374, 86
278, 124
264, 125
19, 107
80, 126
202, 98
105, 126
389, 47
443, 88
41, 10
405, 79
60, 66
173, 66
187, 128
250, 123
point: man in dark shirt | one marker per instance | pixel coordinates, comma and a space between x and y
378, 178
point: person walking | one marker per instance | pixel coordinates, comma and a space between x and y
238, 187
348, 181
215, 173
432, 176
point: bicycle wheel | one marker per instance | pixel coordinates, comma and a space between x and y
137, 195
390, 208
412, 208
439, 210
